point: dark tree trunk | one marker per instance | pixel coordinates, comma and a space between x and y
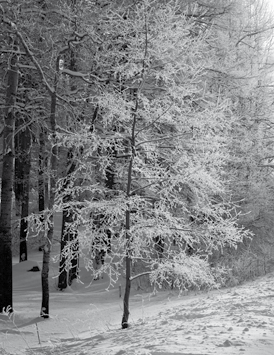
74, 270
18, 173
128, 275
128, 236
45, 277
68, 237
7, 187
65, 277
42, 182
41, 174
110, 178
63, 273
21, 183
25, 202
53, 165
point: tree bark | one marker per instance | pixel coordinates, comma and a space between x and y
21, 183
63, 273
128, 275
74, 270
65, 277
23, 253
18, 173
53, 164
7, 187
128, 236
41, 174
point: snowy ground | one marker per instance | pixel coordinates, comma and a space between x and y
86, 320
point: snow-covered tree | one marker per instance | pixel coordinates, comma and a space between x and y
147, 101
151, 120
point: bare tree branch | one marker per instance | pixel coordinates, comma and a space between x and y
253, 34
83, 76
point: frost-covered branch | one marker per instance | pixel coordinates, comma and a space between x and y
83, 76
139, 275
35, 62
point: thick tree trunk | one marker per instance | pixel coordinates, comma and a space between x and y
53, 165
7, 188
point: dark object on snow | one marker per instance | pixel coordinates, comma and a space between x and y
34, 268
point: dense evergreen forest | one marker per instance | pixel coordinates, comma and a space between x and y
147, 126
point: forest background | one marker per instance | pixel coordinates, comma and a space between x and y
148, 126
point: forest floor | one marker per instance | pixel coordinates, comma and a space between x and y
85, 319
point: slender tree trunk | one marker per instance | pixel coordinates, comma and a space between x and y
65, 277
26, 148
63, 273
128, 274
21, 183
74, 270
41, 170
42, 182
18, 174
7, 187
128, 236
53, 164
68, 218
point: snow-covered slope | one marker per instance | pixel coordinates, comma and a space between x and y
85, 319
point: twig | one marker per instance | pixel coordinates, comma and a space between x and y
38, 335
253, 34
139, 275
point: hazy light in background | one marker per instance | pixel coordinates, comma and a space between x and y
270, 4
